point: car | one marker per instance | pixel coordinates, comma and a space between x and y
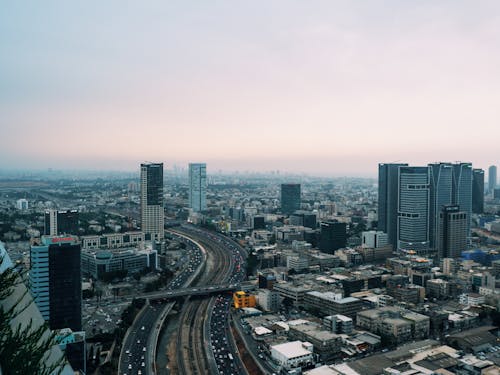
142, 328
130, 366
143, 348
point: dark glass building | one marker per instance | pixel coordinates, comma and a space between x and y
333, 236
388, 201
290, 198
59, 222
477, 191
56, 281
152, 215
453, 232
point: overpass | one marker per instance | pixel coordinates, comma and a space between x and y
206, 290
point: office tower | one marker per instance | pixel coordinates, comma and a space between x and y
290, 198
198, 186
333, 236
56, 282
413, 209
492, 178
152, 216
462, 190
440, 194
388, 200
477, 191
453, 232
61, 222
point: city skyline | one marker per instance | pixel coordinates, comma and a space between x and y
285, 86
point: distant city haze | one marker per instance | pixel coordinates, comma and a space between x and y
324, 87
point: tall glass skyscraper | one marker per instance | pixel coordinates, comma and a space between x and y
477, 191
462, 190
413, 209
152, 215
388, 200
414, 197
290, 198
492, 178
198, 186
56, 281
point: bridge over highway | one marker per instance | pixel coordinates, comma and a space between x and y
194, 291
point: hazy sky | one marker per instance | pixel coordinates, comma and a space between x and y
325, 87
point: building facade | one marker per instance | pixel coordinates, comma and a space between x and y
198, 187
492, 178
56, 282
290, 198
388, 200
477, 191
152, 215
452, 232
58, 222
413, 209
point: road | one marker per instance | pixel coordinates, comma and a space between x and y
138, 350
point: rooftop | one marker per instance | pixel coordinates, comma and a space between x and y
291, 349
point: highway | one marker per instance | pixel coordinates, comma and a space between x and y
138, 349
205, 343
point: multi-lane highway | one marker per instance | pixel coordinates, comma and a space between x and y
205, 343
138, 351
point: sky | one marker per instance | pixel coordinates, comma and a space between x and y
319, 87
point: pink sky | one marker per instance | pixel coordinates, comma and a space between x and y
323, 87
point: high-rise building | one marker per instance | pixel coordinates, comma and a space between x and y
492, 178
440, 194
462, 190
152, 215
56, 282
388, 200
477, 191
59, 222
333, 236
290, 198
452, 232
198, 186
413, 209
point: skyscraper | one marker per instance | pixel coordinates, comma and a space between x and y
198, 186
152, 215
492, 178
413, 209
290, 198
61, 222
452, 232
388, 200
477, 191
462, 190
440, 194
56, 282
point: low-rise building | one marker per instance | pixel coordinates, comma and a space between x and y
243, 299
326, 344
397, 324
96, 263
331, 303
293, 354
269, 300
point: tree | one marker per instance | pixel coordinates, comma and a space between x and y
23, 349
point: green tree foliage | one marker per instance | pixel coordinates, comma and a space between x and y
23, 348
